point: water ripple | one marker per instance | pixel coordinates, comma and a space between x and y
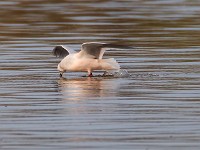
156, 107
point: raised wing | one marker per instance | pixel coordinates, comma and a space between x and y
61, 51
97, 49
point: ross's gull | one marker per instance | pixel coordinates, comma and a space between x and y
88, 59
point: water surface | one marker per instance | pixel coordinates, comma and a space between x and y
157, 107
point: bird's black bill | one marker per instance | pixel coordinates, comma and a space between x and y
60, 74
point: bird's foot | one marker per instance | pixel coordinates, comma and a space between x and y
90, 75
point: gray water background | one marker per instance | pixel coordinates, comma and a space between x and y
157, 107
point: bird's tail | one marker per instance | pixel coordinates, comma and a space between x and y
110, 64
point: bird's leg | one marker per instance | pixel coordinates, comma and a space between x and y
90, 75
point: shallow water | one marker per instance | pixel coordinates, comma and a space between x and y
157, 107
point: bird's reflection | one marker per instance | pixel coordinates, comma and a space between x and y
88, 88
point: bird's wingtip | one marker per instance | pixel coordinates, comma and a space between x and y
60, 51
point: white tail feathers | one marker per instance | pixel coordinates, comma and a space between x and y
109, 64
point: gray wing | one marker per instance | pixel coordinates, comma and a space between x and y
97, 49
61, 51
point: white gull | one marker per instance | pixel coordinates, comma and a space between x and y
88, 59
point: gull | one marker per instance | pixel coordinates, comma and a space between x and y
88, 59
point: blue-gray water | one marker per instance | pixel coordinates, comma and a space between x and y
157, 107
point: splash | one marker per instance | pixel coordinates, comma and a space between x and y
122, 73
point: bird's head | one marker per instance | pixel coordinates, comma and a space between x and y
60, 69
